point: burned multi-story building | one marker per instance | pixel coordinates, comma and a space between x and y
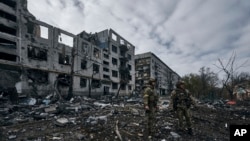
39, 59
148, 65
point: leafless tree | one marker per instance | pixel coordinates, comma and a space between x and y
230, 70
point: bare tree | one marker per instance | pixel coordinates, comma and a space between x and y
230, 70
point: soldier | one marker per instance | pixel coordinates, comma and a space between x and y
182, 101
150, 100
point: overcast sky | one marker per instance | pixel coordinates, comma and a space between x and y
185, 34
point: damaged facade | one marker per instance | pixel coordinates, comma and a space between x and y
37, 58
148, 65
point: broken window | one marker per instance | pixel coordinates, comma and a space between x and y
96, 83
38, 76
96, 53
84, 64
106, 69
9, 3
84, 48
114, 86
7, 16
114, 73
122, 53
64, 59
129, 87
114, 49
65, 39
106, 56
106, 76
105, 63
63, 79
83, 82
114, 61
37, 53
129, 67
7, 43
114, 37
123, 86
7, 30
6, 56
96, 68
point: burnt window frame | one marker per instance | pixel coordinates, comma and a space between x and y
32, 53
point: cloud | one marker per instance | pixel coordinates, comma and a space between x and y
186, 35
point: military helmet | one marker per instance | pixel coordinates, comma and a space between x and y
179, 83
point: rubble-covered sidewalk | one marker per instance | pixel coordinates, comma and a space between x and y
104, 120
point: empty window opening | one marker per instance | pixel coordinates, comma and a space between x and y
129, 87
63, 79
106, 56
123, 86
6, 56
84, 48
33, 29
44, 32
114, 86
96, 68
9, 3
64, 59
114, 49
129, 67
114, 73
83, 82
96, 53
65, 39
7, 43
96, 83
7, 16
105, 63
106, 76
37, 53
38, 76
84, 64
114, 61
114, 37
7, 30
106, 69
122, 42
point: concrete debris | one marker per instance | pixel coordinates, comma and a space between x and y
175, 135
91, 119
62, 121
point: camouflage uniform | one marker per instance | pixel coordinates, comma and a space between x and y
150, 99
182, 101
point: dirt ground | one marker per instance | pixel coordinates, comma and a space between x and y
124, 122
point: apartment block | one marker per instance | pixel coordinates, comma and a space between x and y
148, 65
39, 59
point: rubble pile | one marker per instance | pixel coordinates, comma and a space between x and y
87, 119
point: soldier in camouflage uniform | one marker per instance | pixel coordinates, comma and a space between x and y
150, 100
182, 101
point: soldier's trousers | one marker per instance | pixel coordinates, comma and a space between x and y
151, 121
184, 112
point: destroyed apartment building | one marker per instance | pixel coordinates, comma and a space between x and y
148, 65
37, 58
